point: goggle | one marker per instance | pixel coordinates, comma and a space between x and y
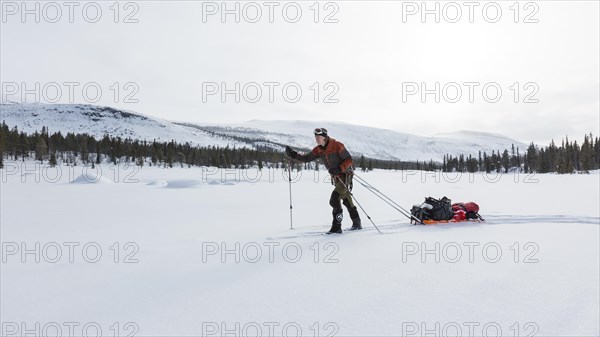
320, 132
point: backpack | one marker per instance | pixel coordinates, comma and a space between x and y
433, 209
471, 209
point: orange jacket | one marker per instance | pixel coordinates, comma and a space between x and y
333, 154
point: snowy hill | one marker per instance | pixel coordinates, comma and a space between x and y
360, 140
99, 120
372, 142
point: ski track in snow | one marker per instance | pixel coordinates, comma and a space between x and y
393, 227
507, 219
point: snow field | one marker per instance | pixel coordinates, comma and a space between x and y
201, 251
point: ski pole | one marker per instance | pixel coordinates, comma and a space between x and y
409, 216
388, 200
385, 199
359, 205
290, 188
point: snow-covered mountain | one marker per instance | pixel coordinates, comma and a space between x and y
99, 120
360, 140
372, 142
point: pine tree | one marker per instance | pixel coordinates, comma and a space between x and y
596, 153
542, 162
23, 148
586, 155
564, 158
518, 160
52, 160
113, 156
41, 149
12, 142
531, 159
84, 149
576, 155
98, 160
497, 163
487, 165
551, 158
3, 136
471, 164
513, 156
505, 160
444, 164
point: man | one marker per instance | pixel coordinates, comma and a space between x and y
338, 161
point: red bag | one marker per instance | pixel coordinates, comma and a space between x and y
467, 210
466, 206
459, 215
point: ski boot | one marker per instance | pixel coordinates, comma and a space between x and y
336, 224
356, 223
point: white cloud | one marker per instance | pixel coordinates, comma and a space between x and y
369, 53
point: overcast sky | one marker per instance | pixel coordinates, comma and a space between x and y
375, 59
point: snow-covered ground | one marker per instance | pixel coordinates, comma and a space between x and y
200, 251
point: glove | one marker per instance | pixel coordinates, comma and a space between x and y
291, 153
334, 171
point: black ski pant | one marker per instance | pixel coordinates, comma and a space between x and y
340, 195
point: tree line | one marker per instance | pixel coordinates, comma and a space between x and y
569, 157
71, 148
